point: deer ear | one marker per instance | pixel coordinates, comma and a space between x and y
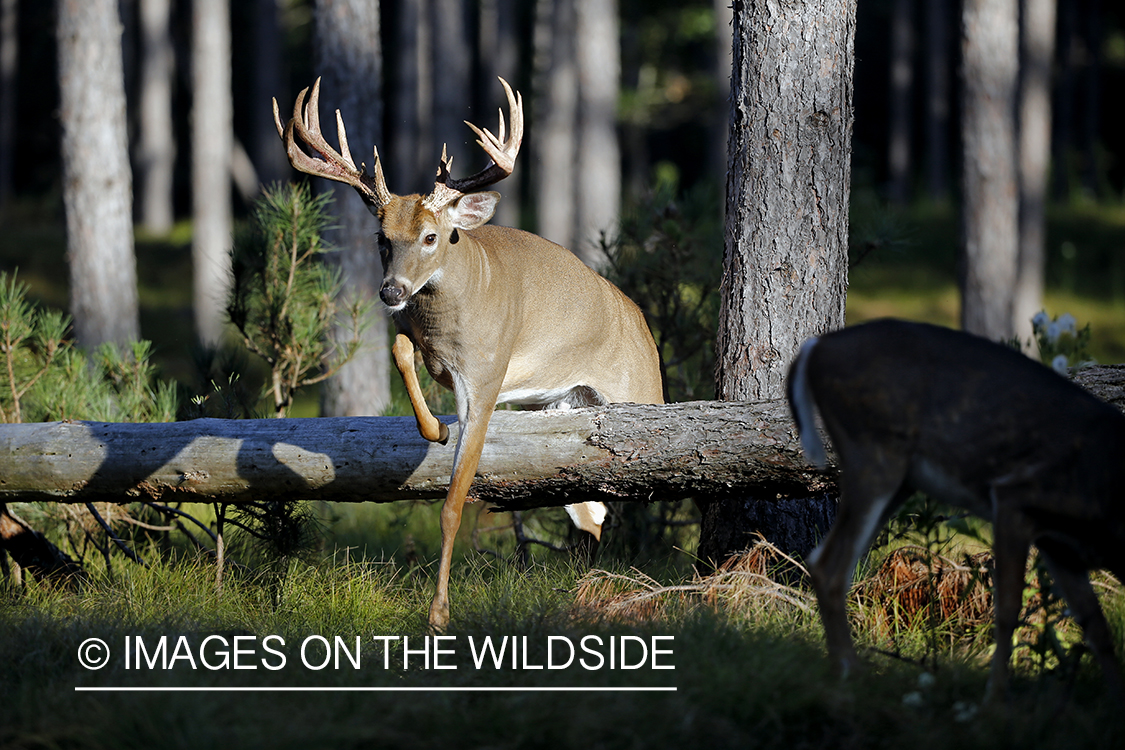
474, 209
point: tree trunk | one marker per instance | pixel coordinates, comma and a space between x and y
9, 66
598, 183
349, 59
452, 82
270, 80
937, 98
899, 107
785, 265
1091, 143
558, 107
990, 204
499, 42
1037, 56
212, 144
156, 150
97, 185
408, 127
724, 61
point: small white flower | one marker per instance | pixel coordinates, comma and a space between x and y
1059, 364
926, 680
1040, 320
1067, 323
913, 700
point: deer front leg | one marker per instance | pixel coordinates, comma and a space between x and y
428, 425
470, 442
1011, 542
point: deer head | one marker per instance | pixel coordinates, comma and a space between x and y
417, 231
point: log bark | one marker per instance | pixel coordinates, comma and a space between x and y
531, 459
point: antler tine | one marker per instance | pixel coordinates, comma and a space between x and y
502, 151
331, 164
342, 136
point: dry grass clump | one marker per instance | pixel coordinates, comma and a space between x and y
913, 586
748, 583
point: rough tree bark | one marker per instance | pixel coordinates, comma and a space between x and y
212, 137
990, 200
97, 181
349, 60
785, 264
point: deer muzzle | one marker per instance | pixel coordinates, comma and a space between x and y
394, 294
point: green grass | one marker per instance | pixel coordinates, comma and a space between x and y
745, 676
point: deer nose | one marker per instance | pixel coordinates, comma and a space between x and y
392, 293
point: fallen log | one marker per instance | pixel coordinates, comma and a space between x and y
531, 459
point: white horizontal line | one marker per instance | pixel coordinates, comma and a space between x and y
375, 689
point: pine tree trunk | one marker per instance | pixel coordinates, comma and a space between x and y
350, 62
97, 185
785, 266
9, 65
407, 131
937, 23
1037, 56
990, 201
598, 183
270, 80
558, 95
452, 83
901, 85
212, 135
156, 152
499, 40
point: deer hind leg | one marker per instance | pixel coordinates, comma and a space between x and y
1070, 573
473, 417
869, 491
428, 425
587, 516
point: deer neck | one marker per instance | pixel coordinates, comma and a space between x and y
444, 318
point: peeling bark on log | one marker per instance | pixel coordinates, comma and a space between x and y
531, 459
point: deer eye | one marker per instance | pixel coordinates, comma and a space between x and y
429, 239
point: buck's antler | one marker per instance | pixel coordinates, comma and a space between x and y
501, 150
332, 164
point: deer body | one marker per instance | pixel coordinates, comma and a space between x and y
497, 314
975, 424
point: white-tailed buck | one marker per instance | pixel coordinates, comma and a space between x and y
974, 424
498, 315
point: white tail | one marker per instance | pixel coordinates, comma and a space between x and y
975, 424
498, 315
